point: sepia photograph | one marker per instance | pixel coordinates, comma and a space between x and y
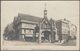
39, 25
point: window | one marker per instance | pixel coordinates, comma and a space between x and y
65, 31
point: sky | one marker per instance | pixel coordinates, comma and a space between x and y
56, 10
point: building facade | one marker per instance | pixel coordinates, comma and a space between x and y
73, 31
63, 29
25, 27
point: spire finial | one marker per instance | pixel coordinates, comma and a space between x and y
45, 5
45, 11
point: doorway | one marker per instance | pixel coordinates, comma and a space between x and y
47, 36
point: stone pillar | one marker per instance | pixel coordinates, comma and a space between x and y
40, 33
34, 36
50, 37
56, 35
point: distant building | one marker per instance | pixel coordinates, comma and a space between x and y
73, 31
63, 29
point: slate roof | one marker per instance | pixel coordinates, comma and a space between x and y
33, 18
29, 17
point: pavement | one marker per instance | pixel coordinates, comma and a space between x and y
21, 45
24, 43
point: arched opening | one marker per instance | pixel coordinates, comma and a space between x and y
47, 36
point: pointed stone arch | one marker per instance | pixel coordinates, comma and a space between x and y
46, 27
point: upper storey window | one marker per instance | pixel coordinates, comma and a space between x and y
26, 25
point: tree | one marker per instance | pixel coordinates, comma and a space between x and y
9, 32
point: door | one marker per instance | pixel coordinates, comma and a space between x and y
47, 36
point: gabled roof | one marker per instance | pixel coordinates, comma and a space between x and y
29, 17
46, 19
